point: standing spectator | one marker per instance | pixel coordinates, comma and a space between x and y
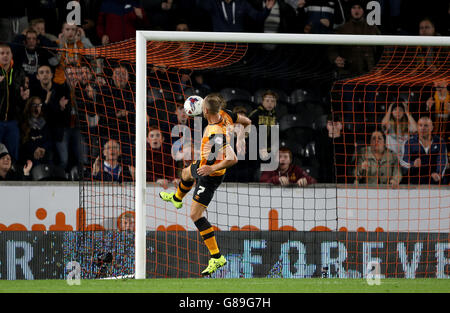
29, 55
319, 16
398, 124
61, 115
71, 37
425, 155
264, 115
118, 20
229, 15
376, 164
13, 19
110, 167
281, 18
36, 140
13, 94
287, 173
334, 151
160, 165
120, 109
353, 61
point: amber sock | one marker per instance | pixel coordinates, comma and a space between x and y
207, 233
183, 188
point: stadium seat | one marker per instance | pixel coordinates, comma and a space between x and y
236, 94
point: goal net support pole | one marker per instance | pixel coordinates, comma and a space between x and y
141, 92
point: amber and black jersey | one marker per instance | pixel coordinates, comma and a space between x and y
215, 139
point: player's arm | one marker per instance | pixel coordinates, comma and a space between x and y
229, 160
243, 120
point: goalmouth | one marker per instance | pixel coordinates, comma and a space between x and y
141, 93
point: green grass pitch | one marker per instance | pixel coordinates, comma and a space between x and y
256, 285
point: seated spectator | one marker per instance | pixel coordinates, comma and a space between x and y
118, 21
13, 94
109, 167
160, 165
377, 165
9, 172
425, 155
37, 145
335, 152
287, 173
439, 107
398, 124
427, 27
229, 15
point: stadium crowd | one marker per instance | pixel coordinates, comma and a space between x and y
44, 87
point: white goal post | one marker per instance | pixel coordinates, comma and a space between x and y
141, 92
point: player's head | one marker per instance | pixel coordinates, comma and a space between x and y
284, 158
212, 104
269, 100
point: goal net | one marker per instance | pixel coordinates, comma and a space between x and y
368, 207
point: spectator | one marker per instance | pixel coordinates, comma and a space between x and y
287, 173
61, 114
13, 94
352, 61
13, 19
120, 109
427, 27
126, 221
45, 39
241, 171
118, 20
335, 152
281, 18
229, 15
160, 165
71, 37
398, 124
8, 170
319, 16
376, 164
110, 168
425, 155
264, 115
30, 56
439, 107
36, 140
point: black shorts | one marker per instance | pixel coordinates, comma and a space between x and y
205, 186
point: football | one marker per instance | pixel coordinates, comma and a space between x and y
193, 105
